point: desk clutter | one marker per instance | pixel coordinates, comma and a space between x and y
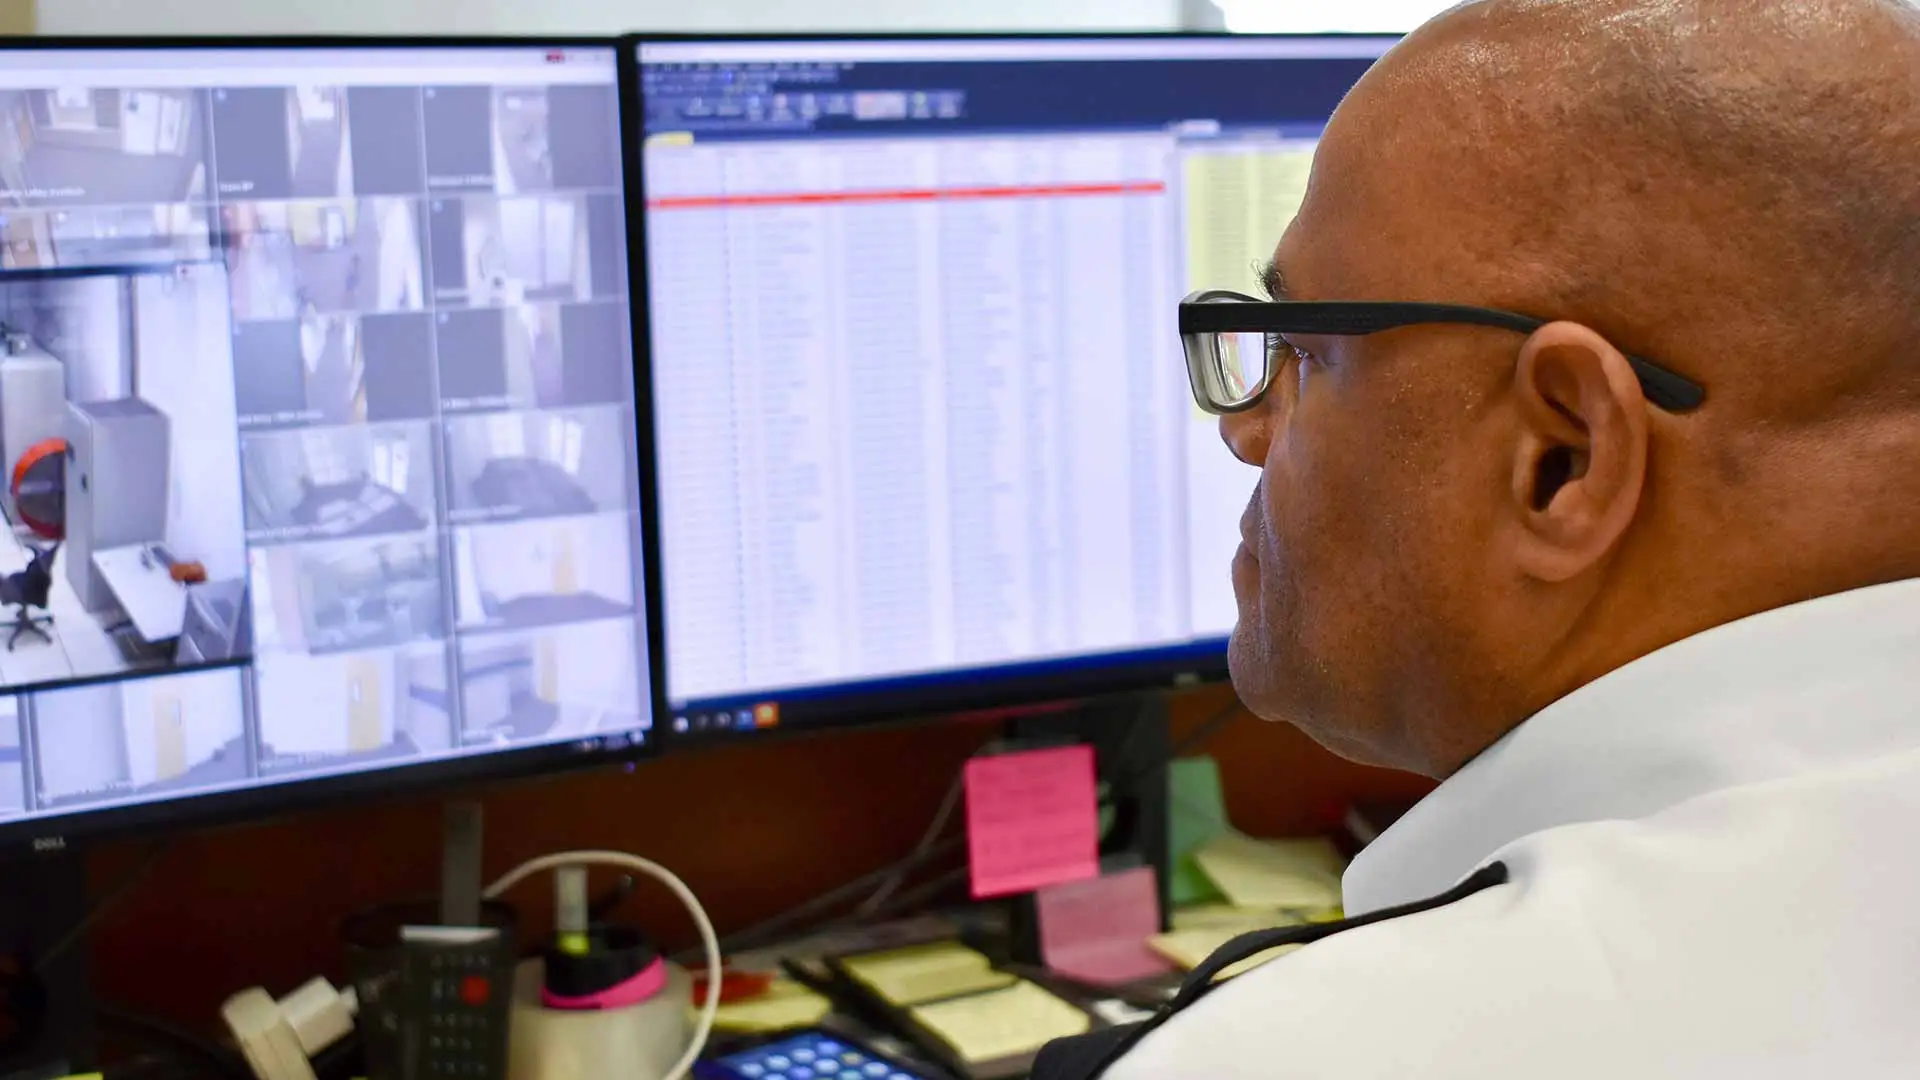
946, 996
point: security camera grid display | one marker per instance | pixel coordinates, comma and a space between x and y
413, 266
120, 506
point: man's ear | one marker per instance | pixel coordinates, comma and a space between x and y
1580, 462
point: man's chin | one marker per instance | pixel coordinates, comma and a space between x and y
1252, 671
1273, 694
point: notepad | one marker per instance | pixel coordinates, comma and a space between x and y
1190, 948
1241, 919
1017, 1020
1273, 874
922, 973
784, 1004
1032, 820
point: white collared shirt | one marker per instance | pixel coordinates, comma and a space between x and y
1715, 854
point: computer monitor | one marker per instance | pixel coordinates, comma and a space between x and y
337, 334
924, 435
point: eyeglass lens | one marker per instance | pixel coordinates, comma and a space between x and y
1242, 360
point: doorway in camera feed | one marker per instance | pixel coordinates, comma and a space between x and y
138, 739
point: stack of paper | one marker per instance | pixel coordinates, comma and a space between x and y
1190, 948
1285, 875
784, 1004
1000, 1024
920, 973
1258, 884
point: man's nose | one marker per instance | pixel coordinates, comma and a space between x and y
1247, 433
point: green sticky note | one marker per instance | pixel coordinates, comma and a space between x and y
1196, 813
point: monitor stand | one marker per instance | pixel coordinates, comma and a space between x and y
1131, 740
46, 1017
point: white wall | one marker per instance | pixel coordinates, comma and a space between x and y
592, 16
306, 704
430, 728
596, 664
80, 323
13, 776
81, 740
210, 716
183, 346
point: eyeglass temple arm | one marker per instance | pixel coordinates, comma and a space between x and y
1665, 388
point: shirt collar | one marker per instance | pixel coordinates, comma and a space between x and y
1797, 689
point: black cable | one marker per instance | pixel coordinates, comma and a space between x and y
1199, 736
1207, 729
910, 899
949, 804
159, 1067
891, 876
753, 935
1192, 740
220, 1061
120, 891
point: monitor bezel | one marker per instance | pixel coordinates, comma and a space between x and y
951, 692
298, 794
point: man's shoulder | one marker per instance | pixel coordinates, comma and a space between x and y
1747, 926
1371, 1000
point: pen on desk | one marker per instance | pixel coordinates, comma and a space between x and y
570, 910
812, 980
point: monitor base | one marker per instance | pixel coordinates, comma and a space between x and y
1131, 741
46, 1014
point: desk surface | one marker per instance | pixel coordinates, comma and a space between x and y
975, 921
145, 589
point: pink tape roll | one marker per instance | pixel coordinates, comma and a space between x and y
649, 981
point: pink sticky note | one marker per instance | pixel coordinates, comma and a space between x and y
1096, 931
1032, 820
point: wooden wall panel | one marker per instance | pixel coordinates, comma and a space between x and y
753, 829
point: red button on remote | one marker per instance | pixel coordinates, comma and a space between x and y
474, 990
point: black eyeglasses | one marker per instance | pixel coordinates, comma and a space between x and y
1230, 341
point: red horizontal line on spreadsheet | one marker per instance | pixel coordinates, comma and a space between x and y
818, 198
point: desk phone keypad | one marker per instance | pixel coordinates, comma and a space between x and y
812, 1057
459, 1023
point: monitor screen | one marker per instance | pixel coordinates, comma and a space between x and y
924, 434
337, 339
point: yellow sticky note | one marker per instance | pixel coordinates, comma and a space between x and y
1190, 948
784, 1004
1273, 874
1198, 916
1005, 1023
1241, 919
922, 973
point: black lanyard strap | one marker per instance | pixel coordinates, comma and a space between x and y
1089, 1056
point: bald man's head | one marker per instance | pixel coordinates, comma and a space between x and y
1695, 178
1455, 526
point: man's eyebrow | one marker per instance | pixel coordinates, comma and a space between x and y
1274, 282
